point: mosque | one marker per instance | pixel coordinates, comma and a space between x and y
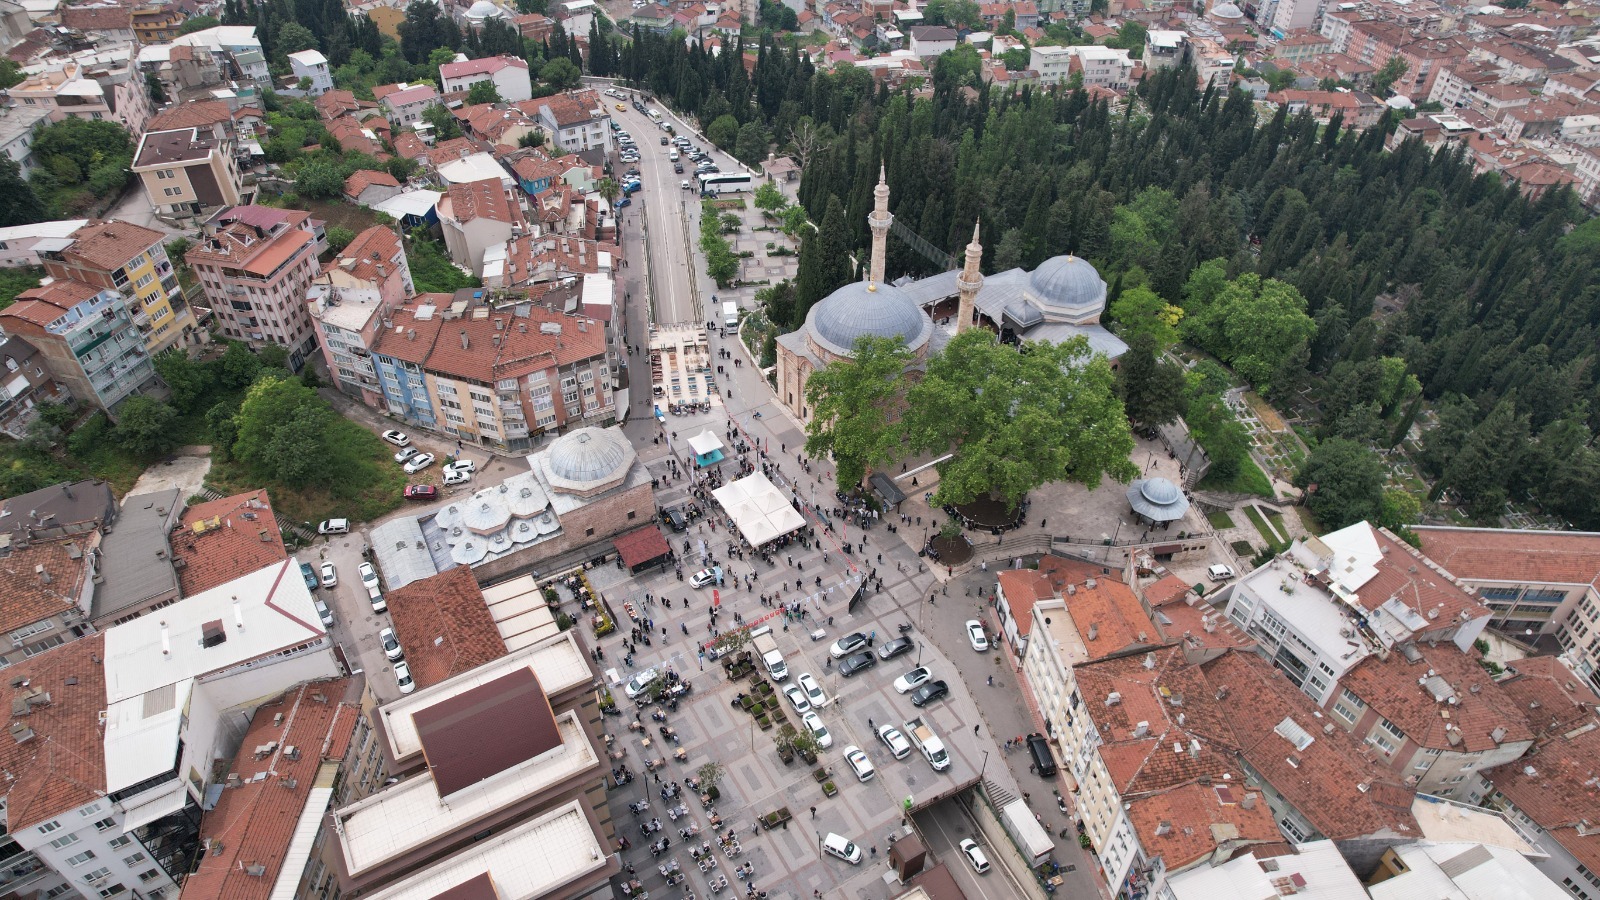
1061, 299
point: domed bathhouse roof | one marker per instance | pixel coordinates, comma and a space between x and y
483, 9
1157, 500
588, 459
861, 308
1067, 289
1226, 10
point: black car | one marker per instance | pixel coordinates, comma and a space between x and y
933, 690
676, 520
862, 661
1039, 749
678, 168
895, 648
663, 140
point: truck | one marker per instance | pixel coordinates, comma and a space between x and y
932, 748
767, 648
730, 317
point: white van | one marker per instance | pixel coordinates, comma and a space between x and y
842, 847
1220, 572
655, 115
730, 317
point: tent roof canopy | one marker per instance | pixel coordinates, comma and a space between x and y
758, 509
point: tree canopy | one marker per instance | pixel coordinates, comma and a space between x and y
856, 406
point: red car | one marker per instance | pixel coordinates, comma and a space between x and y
421, 492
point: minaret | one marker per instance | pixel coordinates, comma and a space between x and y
878, 220
969, 282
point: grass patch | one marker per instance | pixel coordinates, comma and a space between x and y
362, 481
1261, 525
1277, 522
1219, 519
1242, 549
1249, 480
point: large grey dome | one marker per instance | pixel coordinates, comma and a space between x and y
1157, 499
1067, 288
860, 308
588, 458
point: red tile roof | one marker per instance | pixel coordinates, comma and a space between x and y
254, 821
523, 348
484, 199
377, 247
108, 17
62, 765
1494, 554
217, 541
410, 146
201, 114
1563, 792
480, 66
1023, 589
1325, 779
1390, 686
1109, 617
1170, 589
444, 625
361, 179
641, 545
455, 148
1551, 698
1190, 822
1404, 573
41, 580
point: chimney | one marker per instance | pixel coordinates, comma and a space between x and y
1499, 734
1094, 630
1113, 698
464, 339
1141, 729
1249, 801
1163, 828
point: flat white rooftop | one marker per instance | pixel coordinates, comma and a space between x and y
410, 815
1444, 821
1316, 616
559, 664
1325, 874
520, 612
530, 860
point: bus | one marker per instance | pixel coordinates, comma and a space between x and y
724, 183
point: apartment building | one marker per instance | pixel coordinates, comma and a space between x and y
113, 735
157, 24
305, 752
138, 573
18, 128
48, 585
131, 259
575, 121
311, 66
255, 264
445, 624
1100, 66
27, 384
477, 217
1292, 15
87, 338
375, 260
188, 173
105, 87
405, 103
529, 261
509, 748
349, 319
1328, 603
495, 377
509, 75
215, 540
1551, 796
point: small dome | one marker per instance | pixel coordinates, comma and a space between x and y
1067, 288
588, 458
858, 309
1226, 10
484, 9
1160, 491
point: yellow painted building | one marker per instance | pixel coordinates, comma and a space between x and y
133, 260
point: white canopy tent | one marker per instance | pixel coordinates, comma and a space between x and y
758, 509
705, 443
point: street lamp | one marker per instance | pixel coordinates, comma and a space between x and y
919, 653
984, 766
819, 843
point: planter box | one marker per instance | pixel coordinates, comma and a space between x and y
829, 789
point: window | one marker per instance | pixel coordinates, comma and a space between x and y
66, 840
113, 890
105, 824
133, 860
96, 875
78, 859
1392, 728
120, 841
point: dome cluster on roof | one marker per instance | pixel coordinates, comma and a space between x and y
860, 308
1157, 499
1066, 286
588, 457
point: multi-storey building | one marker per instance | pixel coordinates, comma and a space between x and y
576, 120
1551, 795
1100, 66
132, 259
349, 319
509, 74
188, 172
255, 264
18, 127
28, 384
1535, 583
20, 244
96, 88
311, 66
478, 217
373, 260
405, 103
158, 24
49, 586
216, 540
88, 340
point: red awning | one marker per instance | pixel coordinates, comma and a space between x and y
641, 546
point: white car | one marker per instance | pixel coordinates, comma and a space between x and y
390, 644
369, 576
892, 738
1220, 572
813, 690
974, 855
418, 463
334, 526
847, 645
397, 438
913, 679
405, 454
702, 578
977, 636
818, 730
857, 758
797, 698
330, 577
402, 676
454, 477
640, 682
462, 465
842, 847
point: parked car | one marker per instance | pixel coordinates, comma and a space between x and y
390, 644
1044, 762
813, 690
402, 676
369, 576
421, 492
334, 526
454, 477
1220, 572
797, 698
677, 169
379, 605
418, 463
898, 746
405, 454
933, 690
330, 575
397, 438
310, 575
640, 683
851, 666
461, 465
976, 636
819, 731
663, 140
848, 644
894, 648
323, 612
859, 764
624, 202
974, 855
840, 846
913, 679
702, 578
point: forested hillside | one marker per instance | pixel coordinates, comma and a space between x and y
1491, 301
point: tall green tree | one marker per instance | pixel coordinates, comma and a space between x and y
282, 430
1017, 420
1348, 479
824, 261
1152, 388
856, 406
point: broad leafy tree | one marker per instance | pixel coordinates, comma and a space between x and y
1018, 419
1152, 387
856, 406
146, 426
282, 429
1349, 483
